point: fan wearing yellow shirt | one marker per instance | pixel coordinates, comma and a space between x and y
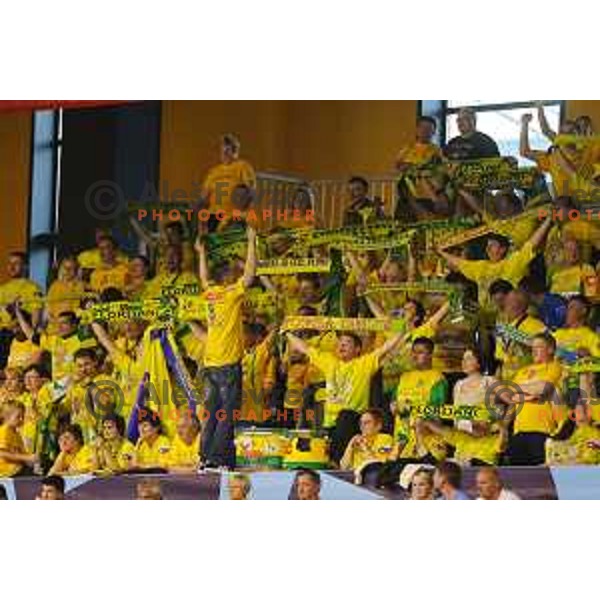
184, 454
303, 380
540, 409
512, 354
12, 385
137, 277
482, 445
418, 324
348, 376
423, 150
220, 182
581, 438
571, 276
422, 386
306, 290
38, 404
258, 372
62, 345
126, 353
92, 259
23, 351
64, 294
14, 459
499, 263
75, 405
18, 289
171, 275
75, 458
577, 336
546, 161
152, 449
112, 452
368, 449
111, 273
223, 352
577, 340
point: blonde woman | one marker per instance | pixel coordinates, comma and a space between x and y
421, 485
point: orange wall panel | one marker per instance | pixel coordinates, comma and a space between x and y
15, 142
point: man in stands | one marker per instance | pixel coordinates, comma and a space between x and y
53, 488
308, 484
348, 375
362, 210
223, 353
221, 181
17, 288
490, 487
111, 272
447, 479
470, 144
423, 150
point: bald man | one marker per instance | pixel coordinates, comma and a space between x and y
489, 486
470, 144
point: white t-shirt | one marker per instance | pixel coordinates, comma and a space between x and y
505, 495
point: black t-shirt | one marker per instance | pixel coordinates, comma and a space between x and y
473, 146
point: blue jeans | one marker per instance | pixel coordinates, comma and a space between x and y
223, 396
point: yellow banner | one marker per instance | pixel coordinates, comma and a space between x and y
296, 323
292, 266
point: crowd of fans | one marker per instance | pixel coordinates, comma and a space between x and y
364, 391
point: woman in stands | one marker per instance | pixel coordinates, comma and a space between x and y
112, 452
472, 390
421, 484
74, 458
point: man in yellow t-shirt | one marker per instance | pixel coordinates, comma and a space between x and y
423, 150
577, 336
583, 444
571, 276
221, 181
540, 408
258, 372
172, 274
111, 273
223, 353
511, 353
499, 264
348, 376
17, 289
370, 446
421, 387
13, 457
484, 444
184, 454
92, 259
